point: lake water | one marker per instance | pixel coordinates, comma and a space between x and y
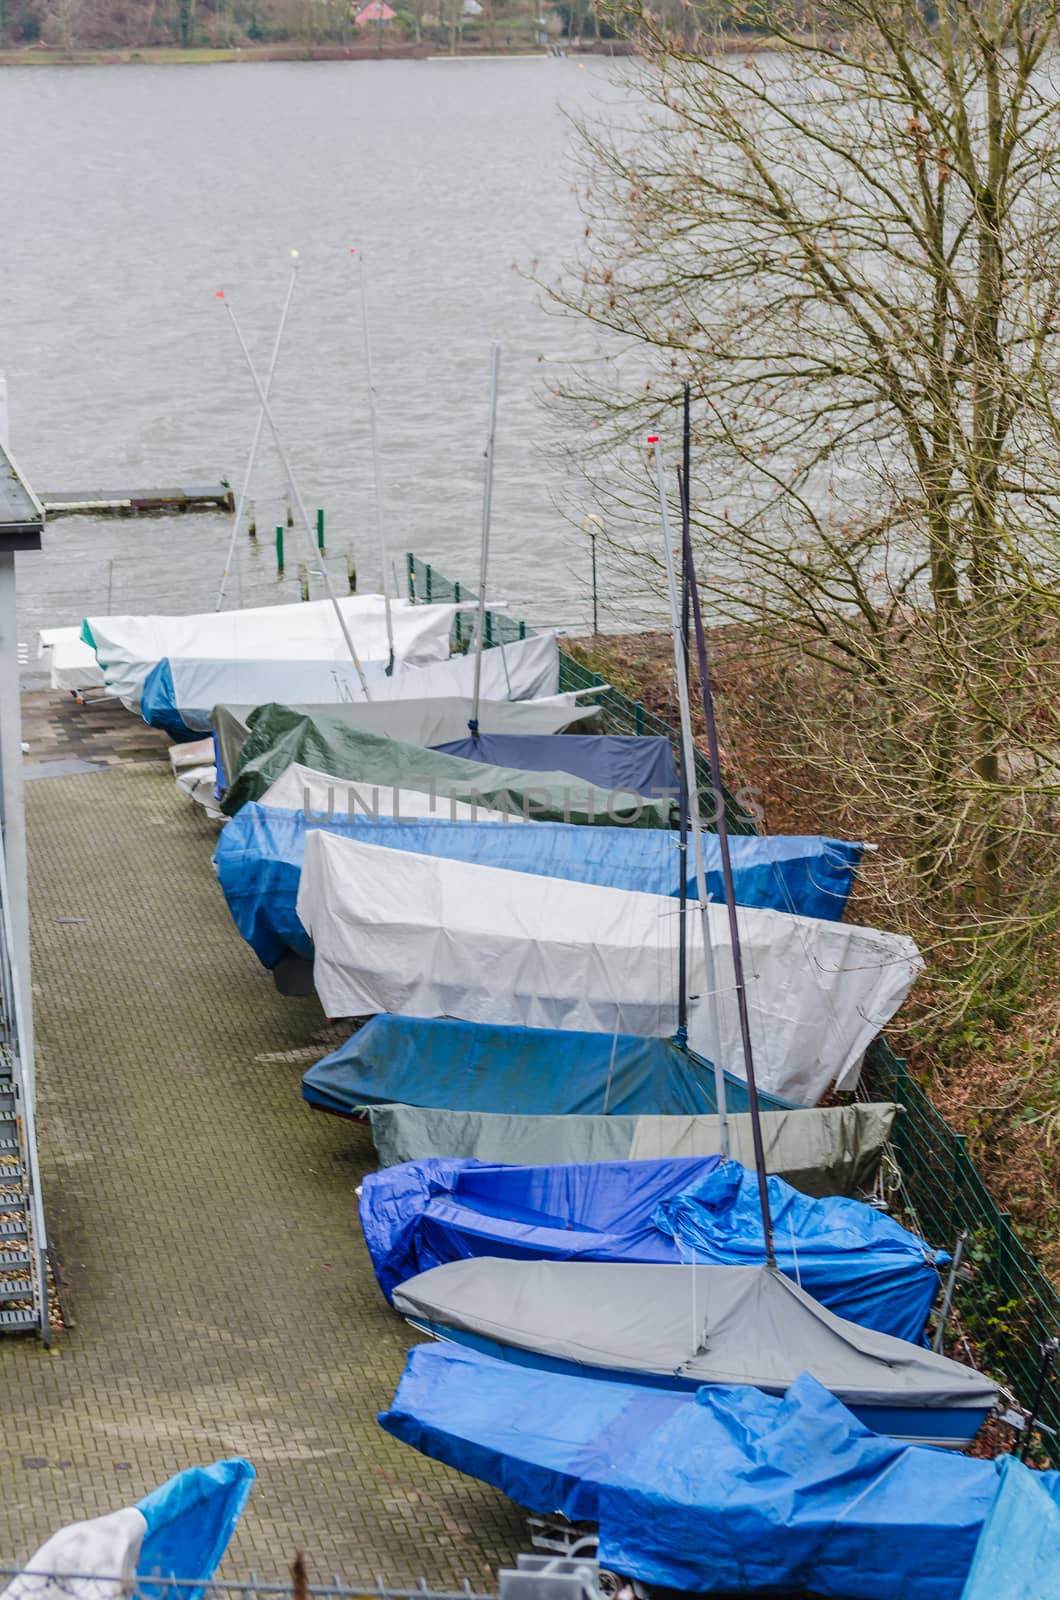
132, 194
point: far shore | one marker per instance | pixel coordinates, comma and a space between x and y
290, 50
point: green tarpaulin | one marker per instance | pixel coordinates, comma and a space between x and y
821, 1151
279, 735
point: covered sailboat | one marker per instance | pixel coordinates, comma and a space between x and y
727, 1491
179, 697
179, 693
817, 1149
127, 647
177, 1534
850, 1257
485, 1067
280, 735
677, 1327
259, 858
419, 936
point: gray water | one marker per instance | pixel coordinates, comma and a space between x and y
132, 194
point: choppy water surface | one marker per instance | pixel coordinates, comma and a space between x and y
133, 194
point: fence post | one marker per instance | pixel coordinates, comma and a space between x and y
960, 1155
457, 624
410, 563
427, 578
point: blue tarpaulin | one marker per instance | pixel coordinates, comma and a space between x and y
855, 1260
1018, 1554
475, 1066
728, 1492
419, 1214
859, 1263
159, 709
259, 863
190, 1520
644, 765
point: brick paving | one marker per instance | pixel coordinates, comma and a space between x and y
221, 1298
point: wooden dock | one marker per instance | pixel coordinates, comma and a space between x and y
139, 503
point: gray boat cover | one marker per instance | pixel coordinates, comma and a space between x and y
422, 722
728, 1325
831, 1150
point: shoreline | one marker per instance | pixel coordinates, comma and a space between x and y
292, 50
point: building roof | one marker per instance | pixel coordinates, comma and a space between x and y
21, 513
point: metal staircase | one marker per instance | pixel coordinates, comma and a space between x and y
23, 1239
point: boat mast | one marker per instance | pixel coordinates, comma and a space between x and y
487, 506
374, 429
255, 442
682, 845
296, 493
707, 691
688, 772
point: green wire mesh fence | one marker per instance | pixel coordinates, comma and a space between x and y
620, 714
1010, 1309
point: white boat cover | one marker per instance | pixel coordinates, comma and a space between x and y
727, 1325
200, 785
128, 647
93, 1560
425, 937
72, 663
197, 754
524, 671
821, 1151
299, 788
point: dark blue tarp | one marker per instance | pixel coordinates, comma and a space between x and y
728, 1492
259, 863
421, 1213
476, 1066
851, 1258
1018, 1554
190, 1520
855, 1260
644, 765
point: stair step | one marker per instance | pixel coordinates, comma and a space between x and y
16, 1288
10, 1172
13, 1321
15, 1260
12, 1230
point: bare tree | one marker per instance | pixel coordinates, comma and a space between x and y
846, 236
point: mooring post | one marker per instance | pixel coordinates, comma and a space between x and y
279, 549
303, 579
351, 570
290, 515
252, 522
320, 528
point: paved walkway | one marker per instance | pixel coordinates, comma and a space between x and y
205, 1218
